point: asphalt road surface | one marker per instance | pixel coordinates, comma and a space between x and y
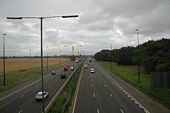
23, 100
99, 94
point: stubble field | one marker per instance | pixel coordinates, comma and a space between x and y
17, 64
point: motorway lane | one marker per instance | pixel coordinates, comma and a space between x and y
98, 94
23, 101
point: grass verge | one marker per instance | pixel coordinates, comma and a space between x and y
129, 74
15, 78
62, 98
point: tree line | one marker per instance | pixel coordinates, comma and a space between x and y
152, 55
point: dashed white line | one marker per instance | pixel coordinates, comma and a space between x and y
98, 110
104, 85
22, 96
94, 95
101, 70
121, 111
20, 111
110, 94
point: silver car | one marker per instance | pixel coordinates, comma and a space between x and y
39, 96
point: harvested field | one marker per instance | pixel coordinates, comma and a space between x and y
16, 64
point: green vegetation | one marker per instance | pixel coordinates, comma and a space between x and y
15, 78
71, 86
129, 74
152, 55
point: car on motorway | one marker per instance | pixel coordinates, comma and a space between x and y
63, 75
66, 68
85, 66
53, 72
92, 70
71, 68
39, 96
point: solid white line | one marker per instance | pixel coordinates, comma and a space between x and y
19, 90
121, 111
58, 92
75, 101
24, 87
98, 110
101, 70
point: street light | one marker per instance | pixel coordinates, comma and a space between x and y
41, 43
47, 58
111, 56
67, 55
4, 58
60, 57
73, 54
137, 34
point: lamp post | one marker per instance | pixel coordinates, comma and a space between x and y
137, 34
67, 55
73, 54
47, 58
111, 56
41, 43
4, 82
60, 57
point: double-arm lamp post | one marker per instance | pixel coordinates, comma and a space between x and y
41, 43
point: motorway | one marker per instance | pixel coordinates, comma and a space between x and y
97, 93
23, 100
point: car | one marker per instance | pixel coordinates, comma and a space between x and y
65, 68
39, 96
53, 72
92, 70
63, 75
85, 66
71, 68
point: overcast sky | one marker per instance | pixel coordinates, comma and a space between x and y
101, 23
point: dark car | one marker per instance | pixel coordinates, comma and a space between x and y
53, 72
63, 75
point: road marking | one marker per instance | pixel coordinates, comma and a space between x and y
110, 94
104, 86
22, 96
135, 102
98, 110
75, 101
91, 85
20, 111
27, 86
94, 95
123, 90
121, 111
24, 87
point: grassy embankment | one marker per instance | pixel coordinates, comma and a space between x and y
62, 98
129, 74
15, 78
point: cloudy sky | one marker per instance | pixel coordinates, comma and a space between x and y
101, 23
